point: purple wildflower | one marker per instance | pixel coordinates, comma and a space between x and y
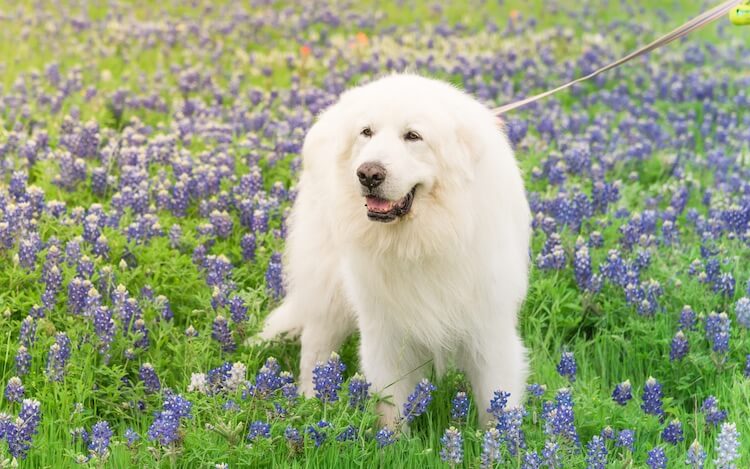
293, 439
19, 434
453, 451
385, 437
622, 393
657, 458
460, 407
274, 281
626, 439
58, 356
223, 335
596, 453
327, 378
14, 390
259, 429
490, 448
23, 361
673, 432
652, 395
358, 391
99, 439
567, 366
417, 402
711, 411
679, 347
318, 432
150, 380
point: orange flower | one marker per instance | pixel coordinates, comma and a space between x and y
305, 51
362, 39
514, 14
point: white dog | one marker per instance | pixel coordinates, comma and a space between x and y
411, 224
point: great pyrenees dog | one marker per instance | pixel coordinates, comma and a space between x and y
411, 225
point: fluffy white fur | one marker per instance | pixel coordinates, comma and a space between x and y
441, 286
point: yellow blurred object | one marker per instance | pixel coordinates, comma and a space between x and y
740, 15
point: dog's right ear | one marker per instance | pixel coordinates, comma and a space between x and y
329, 138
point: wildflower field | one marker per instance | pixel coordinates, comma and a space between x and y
148, 158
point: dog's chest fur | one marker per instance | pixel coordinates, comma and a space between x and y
426, 301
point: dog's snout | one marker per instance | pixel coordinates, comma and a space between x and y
371, 175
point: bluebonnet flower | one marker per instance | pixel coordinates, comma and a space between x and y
350, 433
268, 380
131, 437
150, 379
652, 396
696, 457
607, 433
385, 437
567, 366
559, 416
536, 390
27, 333
727, 447
318, 432
165, 428
724, 285
293, 439
711, 411
231, 406
490, 448
531, 460
717, 328
259, 429
742, 312
452, 442
673, 432
615, 269
166, 309
141, 333
223, 335
417, 402
19, 434
23, 361
58, 356
358, 391
622, 393
99, 439
460, 407
14, 390
328, 377
746, 372
657, 458
27, 254
237, 309
626, 439
551, 455
552, 255
222, 222
274, 280
680, 347
596, 453
687, 319
247, 243
104, 327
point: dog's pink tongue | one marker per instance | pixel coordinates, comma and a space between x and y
378, 205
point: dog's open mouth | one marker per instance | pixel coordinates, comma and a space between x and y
384, 210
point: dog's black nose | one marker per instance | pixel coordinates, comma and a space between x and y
371, 175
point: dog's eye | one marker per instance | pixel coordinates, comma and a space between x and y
412, 136
367, 132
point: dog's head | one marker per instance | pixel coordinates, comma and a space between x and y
404, 148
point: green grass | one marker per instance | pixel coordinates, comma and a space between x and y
611, 341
